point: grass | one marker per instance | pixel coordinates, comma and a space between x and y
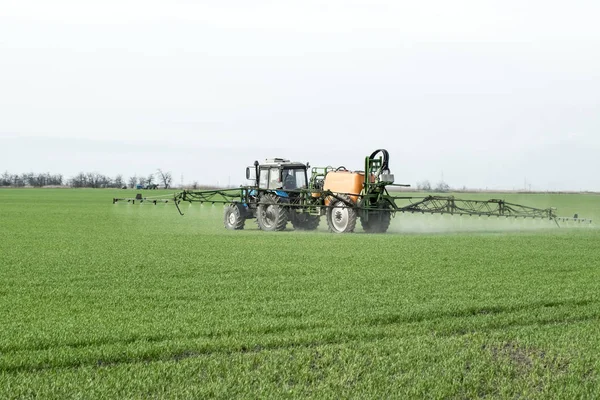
122, 301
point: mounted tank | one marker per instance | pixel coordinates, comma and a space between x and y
344, 181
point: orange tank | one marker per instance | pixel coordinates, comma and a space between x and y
344, 182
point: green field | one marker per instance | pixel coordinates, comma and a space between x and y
122, 301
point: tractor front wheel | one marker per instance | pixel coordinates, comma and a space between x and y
235, 216
271, 215
341, 217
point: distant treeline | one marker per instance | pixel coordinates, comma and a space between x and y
85, 180
31, 179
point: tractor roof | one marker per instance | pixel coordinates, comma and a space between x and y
283, 162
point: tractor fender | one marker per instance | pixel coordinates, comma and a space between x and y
281, 193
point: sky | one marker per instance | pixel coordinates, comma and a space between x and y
480, 94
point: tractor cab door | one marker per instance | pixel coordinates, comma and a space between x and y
294, 178
269, 178
263, 178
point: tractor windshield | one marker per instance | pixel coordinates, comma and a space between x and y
294, 178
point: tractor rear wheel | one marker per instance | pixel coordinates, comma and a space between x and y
341, 218
234, 216
378, 221
304, 221
271, 215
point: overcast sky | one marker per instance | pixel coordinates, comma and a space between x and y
496, 94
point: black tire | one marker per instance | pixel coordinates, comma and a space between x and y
379, 221
234, 216
341, 218
271, 215
303, 221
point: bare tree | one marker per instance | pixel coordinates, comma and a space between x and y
59, 179
424, 185
442, 187
118, 181
165, 177
21, 180
94, 179
79, 180
6, 179
27, 179
133, 181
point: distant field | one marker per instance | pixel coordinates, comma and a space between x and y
122, 301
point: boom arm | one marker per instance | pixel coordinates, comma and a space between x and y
451, 205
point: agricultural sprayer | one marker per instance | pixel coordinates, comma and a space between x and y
282, 192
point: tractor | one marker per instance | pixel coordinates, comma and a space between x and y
282, 192
277, 183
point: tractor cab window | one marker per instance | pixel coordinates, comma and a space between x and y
263, 180
282, 178
274, 178
294, 178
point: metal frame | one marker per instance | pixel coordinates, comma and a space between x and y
373, 199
